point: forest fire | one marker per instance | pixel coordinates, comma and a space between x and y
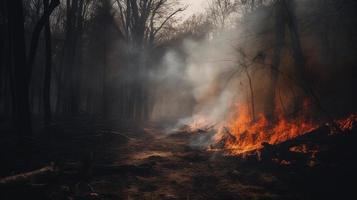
178, 99
240, 134
249, 135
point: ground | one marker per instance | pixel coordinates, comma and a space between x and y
146, 162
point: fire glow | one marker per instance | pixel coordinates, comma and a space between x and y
249, 135
240, 134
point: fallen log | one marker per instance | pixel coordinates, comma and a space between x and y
28, 176
74, 169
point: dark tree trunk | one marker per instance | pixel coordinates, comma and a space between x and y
37, 32
2, 36
6, 76
278, 47
105, 102
299, 60
20, 70
300, 67
48, 68
251, 90
3, 58
69, 93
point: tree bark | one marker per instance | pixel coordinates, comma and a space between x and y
48, 68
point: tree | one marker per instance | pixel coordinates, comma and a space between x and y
48, 67
141, 22
68, 95
37, 32
279, 41
21, 71
219, 12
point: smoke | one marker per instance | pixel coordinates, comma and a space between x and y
192, 81
199, 81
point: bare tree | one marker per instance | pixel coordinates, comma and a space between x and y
219, 12
197, 27
142, 20
76, 11
48, 66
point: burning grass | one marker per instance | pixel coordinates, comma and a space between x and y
240, 134
251, 134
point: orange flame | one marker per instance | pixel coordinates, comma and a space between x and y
239, 134
250, 135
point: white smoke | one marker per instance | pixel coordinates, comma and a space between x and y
195, 84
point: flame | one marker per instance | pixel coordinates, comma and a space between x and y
251, 134
239, 134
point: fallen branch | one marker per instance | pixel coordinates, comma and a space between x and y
28, 176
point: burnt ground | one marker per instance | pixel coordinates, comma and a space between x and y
129, 162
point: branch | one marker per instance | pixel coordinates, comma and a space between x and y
122, 18
27, 176
167, 19
36, 33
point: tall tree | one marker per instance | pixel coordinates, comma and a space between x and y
68, 97
279, 40
219, 12
37, 32
21, 71
141, 22
48, 67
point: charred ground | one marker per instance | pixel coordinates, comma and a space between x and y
102, 160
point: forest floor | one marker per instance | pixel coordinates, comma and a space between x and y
148, 163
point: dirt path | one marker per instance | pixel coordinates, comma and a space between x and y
182, 172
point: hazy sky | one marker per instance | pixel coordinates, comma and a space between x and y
195, 6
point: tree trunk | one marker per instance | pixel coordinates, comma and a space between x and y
251, 90
70, 76
48, 68
299, 60
274, 71
20, 70
105, 106
37, 32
